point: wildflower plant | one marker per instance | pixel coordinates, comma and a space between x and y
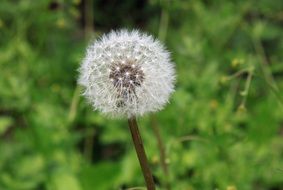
127, 74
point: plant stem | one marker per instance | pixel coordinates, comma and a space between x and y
164, 21
247, 86
74, 105
137, 140
162, 152
88, 9
263, 62
88, 32
163, 27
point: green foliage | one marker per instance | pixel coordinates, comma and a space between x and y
221, 130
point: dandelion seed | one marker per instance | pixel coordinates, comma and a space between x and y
136, 71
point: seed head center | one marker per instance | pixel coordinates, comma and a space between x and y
126, 75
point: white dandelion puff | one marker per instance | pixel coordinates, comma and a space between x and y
127, 73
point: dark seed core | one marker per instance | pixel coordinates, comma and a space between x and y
126, 76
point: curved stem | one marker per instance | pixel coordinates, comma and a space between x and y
137, 140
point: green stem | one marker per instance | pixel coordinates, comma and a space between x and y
162, 152
164, 21
88, 9
163, 27
247, 86
263, 62
74, 105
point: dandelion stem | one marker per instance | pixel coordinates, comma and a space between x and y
163, 27
74, 105
162, 152
164, 21
88, 9
137, 140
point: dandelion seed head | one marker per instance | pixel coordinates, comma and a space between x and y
127, 73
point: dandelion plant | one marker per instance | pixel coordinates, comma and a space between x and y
126, 74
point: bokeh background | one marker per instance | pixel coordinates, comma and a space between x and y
223, 128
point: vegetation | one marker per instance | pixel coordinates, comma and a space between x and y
222, 129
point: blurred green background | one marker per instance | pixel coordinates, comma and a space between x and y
223, 128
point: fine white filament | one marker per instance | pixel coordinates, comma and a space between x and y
127, 73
